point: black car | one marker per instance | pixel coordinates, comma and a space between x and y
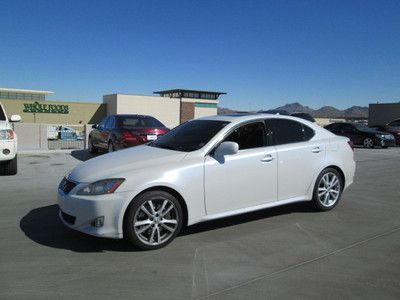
361, 134
281, 112
304, 116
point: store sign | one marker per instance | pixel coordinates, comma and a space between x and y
45, 108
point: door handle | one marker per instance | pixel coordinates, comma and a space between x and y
316, 150
267, 158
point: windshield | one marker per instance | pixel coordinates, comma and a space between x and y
363, 127
190, 136
2, 114
138, 121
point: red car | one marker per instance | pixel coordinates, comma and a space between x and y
122, 131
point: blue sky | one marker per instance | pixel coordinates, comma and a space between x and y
262, 53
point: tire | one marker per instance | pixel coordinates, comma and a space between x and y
327, 190
92, 149
368, 143
9, 167
159, 226
110, 147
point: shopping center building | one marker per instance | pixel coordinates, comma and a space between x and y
171, 107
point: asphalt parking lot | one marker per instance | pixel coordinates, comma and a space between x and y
281, 253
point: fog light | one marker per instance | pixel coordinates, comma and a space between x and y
6, 151
98, 222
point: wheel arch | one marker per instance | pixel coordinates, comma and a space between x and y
341, 173
166, 189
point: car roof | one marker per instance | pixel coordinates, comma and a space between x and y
237, 118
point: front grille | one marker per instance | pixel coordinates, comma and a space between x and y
68, 218
66, 185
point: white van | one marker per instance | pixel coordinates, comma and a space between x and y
8, 144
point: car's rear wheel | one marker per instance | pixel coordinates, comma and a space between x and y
9, 167
327, 190
368, 143
153, 220
92, 149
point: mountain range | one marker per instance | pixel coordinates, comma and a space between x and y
323, 112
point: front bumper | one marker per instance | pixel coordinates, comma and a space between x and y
8, 146
80, 212
387, 143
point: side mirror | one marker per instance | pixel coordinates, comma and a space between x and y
15, 118
94, 126
226, 148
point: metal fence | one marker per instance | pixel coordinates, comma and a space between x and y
65, 136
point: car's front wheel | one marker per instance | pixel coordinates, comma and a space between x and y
153, 220
327, 190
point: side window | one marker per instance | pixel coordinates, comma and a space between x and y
2, 114
289, 131
110, 123
102, 124
308, 132
248, 136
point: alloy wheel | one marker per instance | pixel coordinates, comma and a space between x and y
329, 189
368, 143
156, 221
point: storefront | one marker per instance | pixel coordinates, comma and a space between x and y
171, 107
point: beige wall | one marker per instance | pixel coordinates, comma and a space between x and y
78, 112
204, 112
327, 121
167, 110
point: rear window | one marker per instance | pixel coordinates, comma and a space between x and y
134, 121
2, 114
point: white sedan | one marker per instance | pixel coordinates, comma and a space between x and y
205, 169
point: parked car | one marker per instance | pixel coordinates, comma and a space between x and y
392, 127
8, 144
304, 116
281, 112
122, 131
361, 134
205, 169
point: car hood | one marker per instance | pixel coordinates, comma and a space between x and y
4, 125
114, 165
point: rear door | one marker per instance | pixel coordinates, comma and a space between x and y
299, 157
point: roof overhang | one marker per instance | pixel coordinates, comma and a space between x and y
26, 91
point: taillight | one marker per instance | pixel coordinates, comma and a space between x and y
128, 136
351, 144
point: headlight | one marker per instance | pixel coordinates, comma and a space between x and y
380, 136
7, 134
106, 186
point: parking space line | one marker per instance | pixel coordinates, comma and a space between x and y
353, 245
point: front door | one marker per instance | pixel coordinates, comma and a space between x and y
245, 179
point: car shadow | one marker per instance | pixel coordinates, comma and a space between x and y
83, 155
299, 207
43, 226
